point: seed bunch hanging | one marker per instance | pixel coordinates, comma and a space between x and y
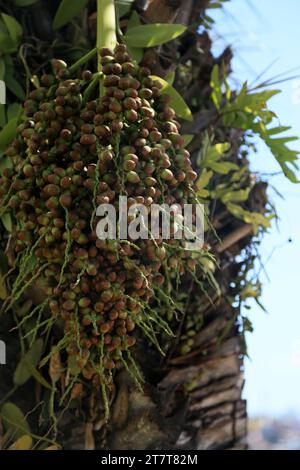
73, 152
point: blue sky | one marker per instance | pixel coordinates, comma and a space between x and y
260, 33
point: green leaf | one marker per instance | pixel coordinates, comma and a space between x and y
122, 9
177, 102
3, 262
137, 53
277, 130
236, 196
2, 68
134, 21
37, 375
5, 162
150, 35
14, 420
187, 139
13, 85
32, 357
3, 271
2, 116
13, 111
170, 77
14, 28
254, 218
24, 3
7, 134
216, 94
213, 153
66, 12
202, 182
204, 179
222, 167
7, 222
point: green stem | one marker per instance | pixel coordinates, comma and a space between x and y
91, 87
106, 28
83, 60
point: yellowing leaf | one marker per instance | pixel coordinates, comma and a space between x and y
23, 443
150, 35
177, 102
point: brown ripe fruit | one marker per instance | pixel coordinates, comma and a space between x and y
75, 233
65, 182
105, 328
87, 75
116, 68
150, 181
104, 51
117, 126
133, 177
124, 83
191, 176
128, 67
147, 112
58, 64
88, 139
119, 94
99, 307
65, 200
107, 60
102, 131
86, 128
111, 80
66, 134
28, 170
69, 305
132, 93
107, 156
149, 169
131, 115
52, 190
84, 302
130, 340
129, 165
109, 364
130, 103
130, 325
107, 296
155, 136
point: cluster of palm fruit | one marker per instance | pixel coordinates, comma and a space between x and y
73, 152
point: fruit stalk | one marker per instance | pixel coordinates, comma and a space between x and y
106, 28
